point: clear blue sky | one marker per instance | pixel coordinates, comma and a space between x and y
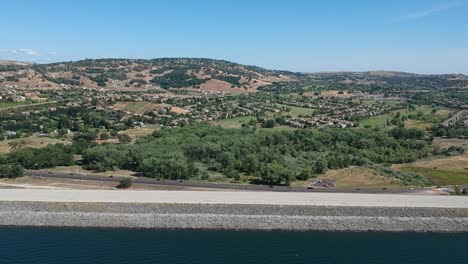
423, 36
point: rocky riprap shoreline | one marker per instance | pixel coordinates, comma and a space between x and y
233, 217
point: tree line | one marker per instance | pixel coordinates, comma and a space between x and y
275, 157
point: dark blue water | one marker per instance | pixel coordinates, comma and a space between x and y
56, 245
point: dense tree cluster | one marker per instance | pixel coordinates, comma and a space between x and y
407, 133
453, 151
234, 80
139, 82
100, 80
33, 158
277, 157
64, 80
177, 79
11, 170
459, 130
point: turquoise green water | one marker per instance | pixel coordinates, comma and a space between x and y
57, 245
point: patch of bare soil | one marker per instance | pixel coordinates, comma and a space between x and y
70, 184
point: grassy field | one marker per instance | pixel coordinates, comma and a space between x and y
32, 142
441, 176
376, 121
362, 178
140, 132
381, 120
442, 170
7, 104
137, 107
234, 122
438, 117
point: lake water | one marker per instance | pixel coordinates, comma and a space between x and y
59, 245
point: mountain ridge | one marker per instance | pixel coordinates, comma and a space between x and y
202, 74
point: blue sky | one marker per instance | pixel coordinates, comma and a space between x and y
415, 36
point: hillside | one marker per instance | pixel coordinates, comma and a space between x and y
205, 75
374, 82
389, 78
165, 73
17, 63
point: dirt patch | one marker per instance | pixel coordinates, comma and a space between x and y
140, 131
358, 177
222, 86
70, 184
179, 110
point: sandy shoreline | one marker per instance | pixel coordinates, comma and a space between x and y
234, 210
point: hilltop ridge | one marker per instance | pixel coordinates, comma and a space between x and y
196, 74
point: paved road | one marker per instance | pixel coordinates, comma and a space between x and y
226, 197
141, 180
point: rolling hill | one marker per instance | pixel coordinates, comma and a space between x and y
167, 73
199, 74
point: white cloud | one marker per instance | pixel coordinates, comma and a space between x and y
430, 11
29, 52
52, 52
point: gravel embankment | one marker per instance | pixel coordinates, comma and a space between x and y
202, 210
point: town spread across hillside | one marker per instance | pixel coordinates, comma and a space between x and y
99, 103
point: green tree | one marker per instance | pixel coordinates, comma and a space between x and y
124, 139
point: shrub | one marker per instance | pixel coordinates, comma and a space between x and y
11, 171
125, 183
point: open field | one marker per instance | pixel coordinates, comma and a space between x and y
447, 142
438, 117
79, 170
74, 184
376, 121
31, 142
442, 170
140, 131
7, 104
442, 176
363, 178
234, 122
418, 124
381, 120
139, 107
298, 111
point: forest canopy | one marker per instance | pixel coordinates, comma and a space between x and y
275, 157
